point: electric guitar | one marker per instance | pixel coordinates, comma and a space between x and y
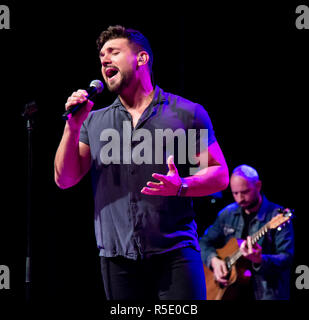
231, 253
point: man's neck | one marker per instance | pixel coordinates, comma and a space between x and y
137, 96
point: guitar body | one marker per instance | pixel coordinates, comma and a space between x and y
238, 275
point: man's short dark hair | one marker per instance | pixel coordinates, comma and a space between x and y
136, 39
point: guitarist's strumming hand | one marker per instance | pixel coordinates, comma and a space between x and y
220, 271
253, 253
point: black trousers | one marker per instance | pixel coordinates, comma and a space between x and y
175, 275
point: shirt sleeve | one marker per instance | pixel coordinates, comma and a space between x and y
83, 135
202, 121
283, 252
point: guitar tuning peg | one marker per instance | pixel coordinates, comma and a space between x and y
279, 228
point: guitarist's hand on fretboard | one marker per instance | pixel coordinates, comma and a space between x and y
251, 252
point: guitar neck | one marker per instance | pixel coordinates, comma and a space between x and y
254, 239
259, 234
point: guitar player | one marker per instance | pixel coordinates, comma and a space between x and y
269, 259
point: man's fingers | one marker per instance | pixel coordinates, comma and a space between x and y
75, 100
221, 279
224, 270
171, 164
249, 244
243, 244
82, 92
151, 191
160, 177
244, 248
155, 184
77, 97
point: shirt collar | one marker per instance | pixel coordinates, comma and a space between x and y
263, 209
157, 99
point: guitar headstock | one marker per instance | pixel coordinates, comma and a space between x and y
284, 216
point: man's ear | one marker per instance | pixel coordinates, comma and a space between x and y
259, 185
142, 58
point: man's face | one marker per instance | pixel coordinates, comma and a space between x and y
245, 193
118, 64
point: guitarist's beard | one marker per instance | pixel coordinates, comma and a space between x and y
249, 206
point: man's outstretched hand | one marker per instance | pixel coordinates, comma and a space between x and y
168, 185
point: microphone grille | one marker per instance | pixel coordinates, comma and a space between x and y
98, 85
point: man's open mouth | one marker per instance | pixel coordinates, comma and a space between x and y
111, 72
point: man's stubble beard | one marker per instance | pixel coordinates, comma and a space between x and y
253, 204
123, 83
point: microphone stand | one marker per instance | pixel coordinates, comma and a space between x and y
30, 110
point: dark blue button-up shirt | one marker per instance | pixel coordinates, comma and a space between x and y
127, 222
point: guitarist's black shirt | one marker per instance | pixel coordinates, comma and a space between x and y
247, 220
245, 292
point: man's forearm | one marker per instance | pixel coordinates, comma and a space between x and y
207, 181
67, 159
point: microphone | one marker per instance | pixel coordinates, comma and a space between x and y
95, 87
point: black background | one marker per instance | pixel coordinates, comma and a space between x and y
245, 62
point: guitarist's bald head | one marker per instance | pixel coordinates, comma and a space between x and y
247, 172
